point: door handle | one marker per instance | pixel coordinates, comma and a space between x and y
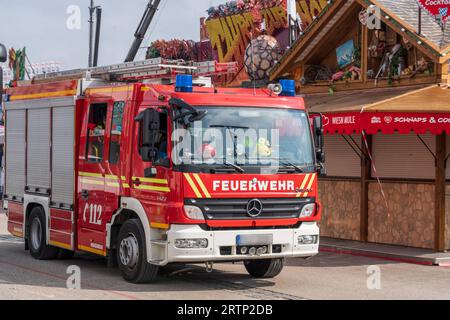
85, 194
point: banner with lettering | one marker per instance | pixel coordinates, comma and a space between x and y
386, 123
437, 8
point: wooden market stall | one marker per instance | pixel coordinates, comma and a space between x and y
383, 92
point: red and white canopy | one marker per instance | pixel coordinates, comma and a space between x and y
388, 112
386, 122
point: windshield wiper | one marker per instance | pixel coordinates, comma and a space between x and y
235, 166
229, 164
287, 163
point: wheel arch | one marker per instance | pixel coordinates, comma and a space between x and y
131, 208
31, 202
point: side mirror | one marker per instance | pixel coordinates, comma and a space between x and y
149, 127
319, 139
3, 57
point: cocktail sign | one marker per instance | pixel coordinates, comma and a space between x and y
437, 8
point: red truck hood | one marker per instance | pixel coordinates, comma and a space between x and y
198, 186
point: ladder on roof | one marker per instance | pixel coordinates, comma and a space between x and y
151, 69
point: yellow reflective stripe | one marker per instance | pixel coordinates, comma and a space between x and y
151, 180
60, 244
153, 188
90, 174
108, 90
202, 185
95, 182
309, 185
17, 234
126, 186
92, 250
159, 225
193, 186
305, 181
113, 184
111, 177
44, 95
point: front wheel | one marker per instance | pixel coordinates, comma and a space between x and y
269, 268
132, 254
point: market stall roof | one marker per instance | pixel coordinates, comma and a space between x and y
354, 100
388, 111
431, 99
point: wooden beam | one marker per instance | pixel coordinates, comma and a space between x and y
364, 52
366, 174
442, 73
440, 186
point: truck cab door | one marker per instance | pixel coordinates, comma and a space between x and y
152, 181
91, 180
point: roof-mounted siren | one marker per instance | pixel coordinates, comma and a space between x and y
287, 88
275, 88
183, 83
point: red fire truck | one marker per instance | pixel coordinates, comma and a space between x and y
93, 165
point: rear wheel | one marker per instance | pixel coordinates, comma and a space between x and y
269, 268
37, 237
132, 254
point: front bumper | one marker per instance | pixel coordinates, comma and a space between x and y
287, 238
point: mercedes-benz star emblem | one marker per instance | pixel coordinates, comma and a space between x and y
254, 208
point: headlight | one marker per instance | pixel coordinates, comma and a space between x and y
191, 243
308, 211
194, 213
304, 240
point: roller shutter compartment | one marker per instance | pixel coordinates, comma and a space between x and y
15, 153
38, 151
63, 156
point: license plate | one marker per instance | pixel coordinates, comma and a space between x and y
254, 240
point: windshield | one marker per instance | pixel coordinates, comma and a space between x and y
239, 138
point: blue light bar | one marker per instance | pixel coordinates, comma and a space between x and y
183, 83
288, 88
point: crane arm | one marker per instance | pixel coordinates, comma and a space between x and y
143, 26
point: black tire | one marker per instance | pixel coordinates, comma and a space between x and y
264, 269
38, 248
64, 254
141, 271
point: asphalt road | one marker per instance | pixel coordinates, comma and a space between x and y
327, 276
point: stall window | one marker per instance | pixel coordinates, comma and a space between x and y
400, 156
116, 132
96, 132
341, 159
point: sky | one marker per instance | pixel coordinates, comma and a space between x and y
41, 27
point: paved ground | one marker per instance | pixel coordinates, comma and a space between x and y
328, 276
